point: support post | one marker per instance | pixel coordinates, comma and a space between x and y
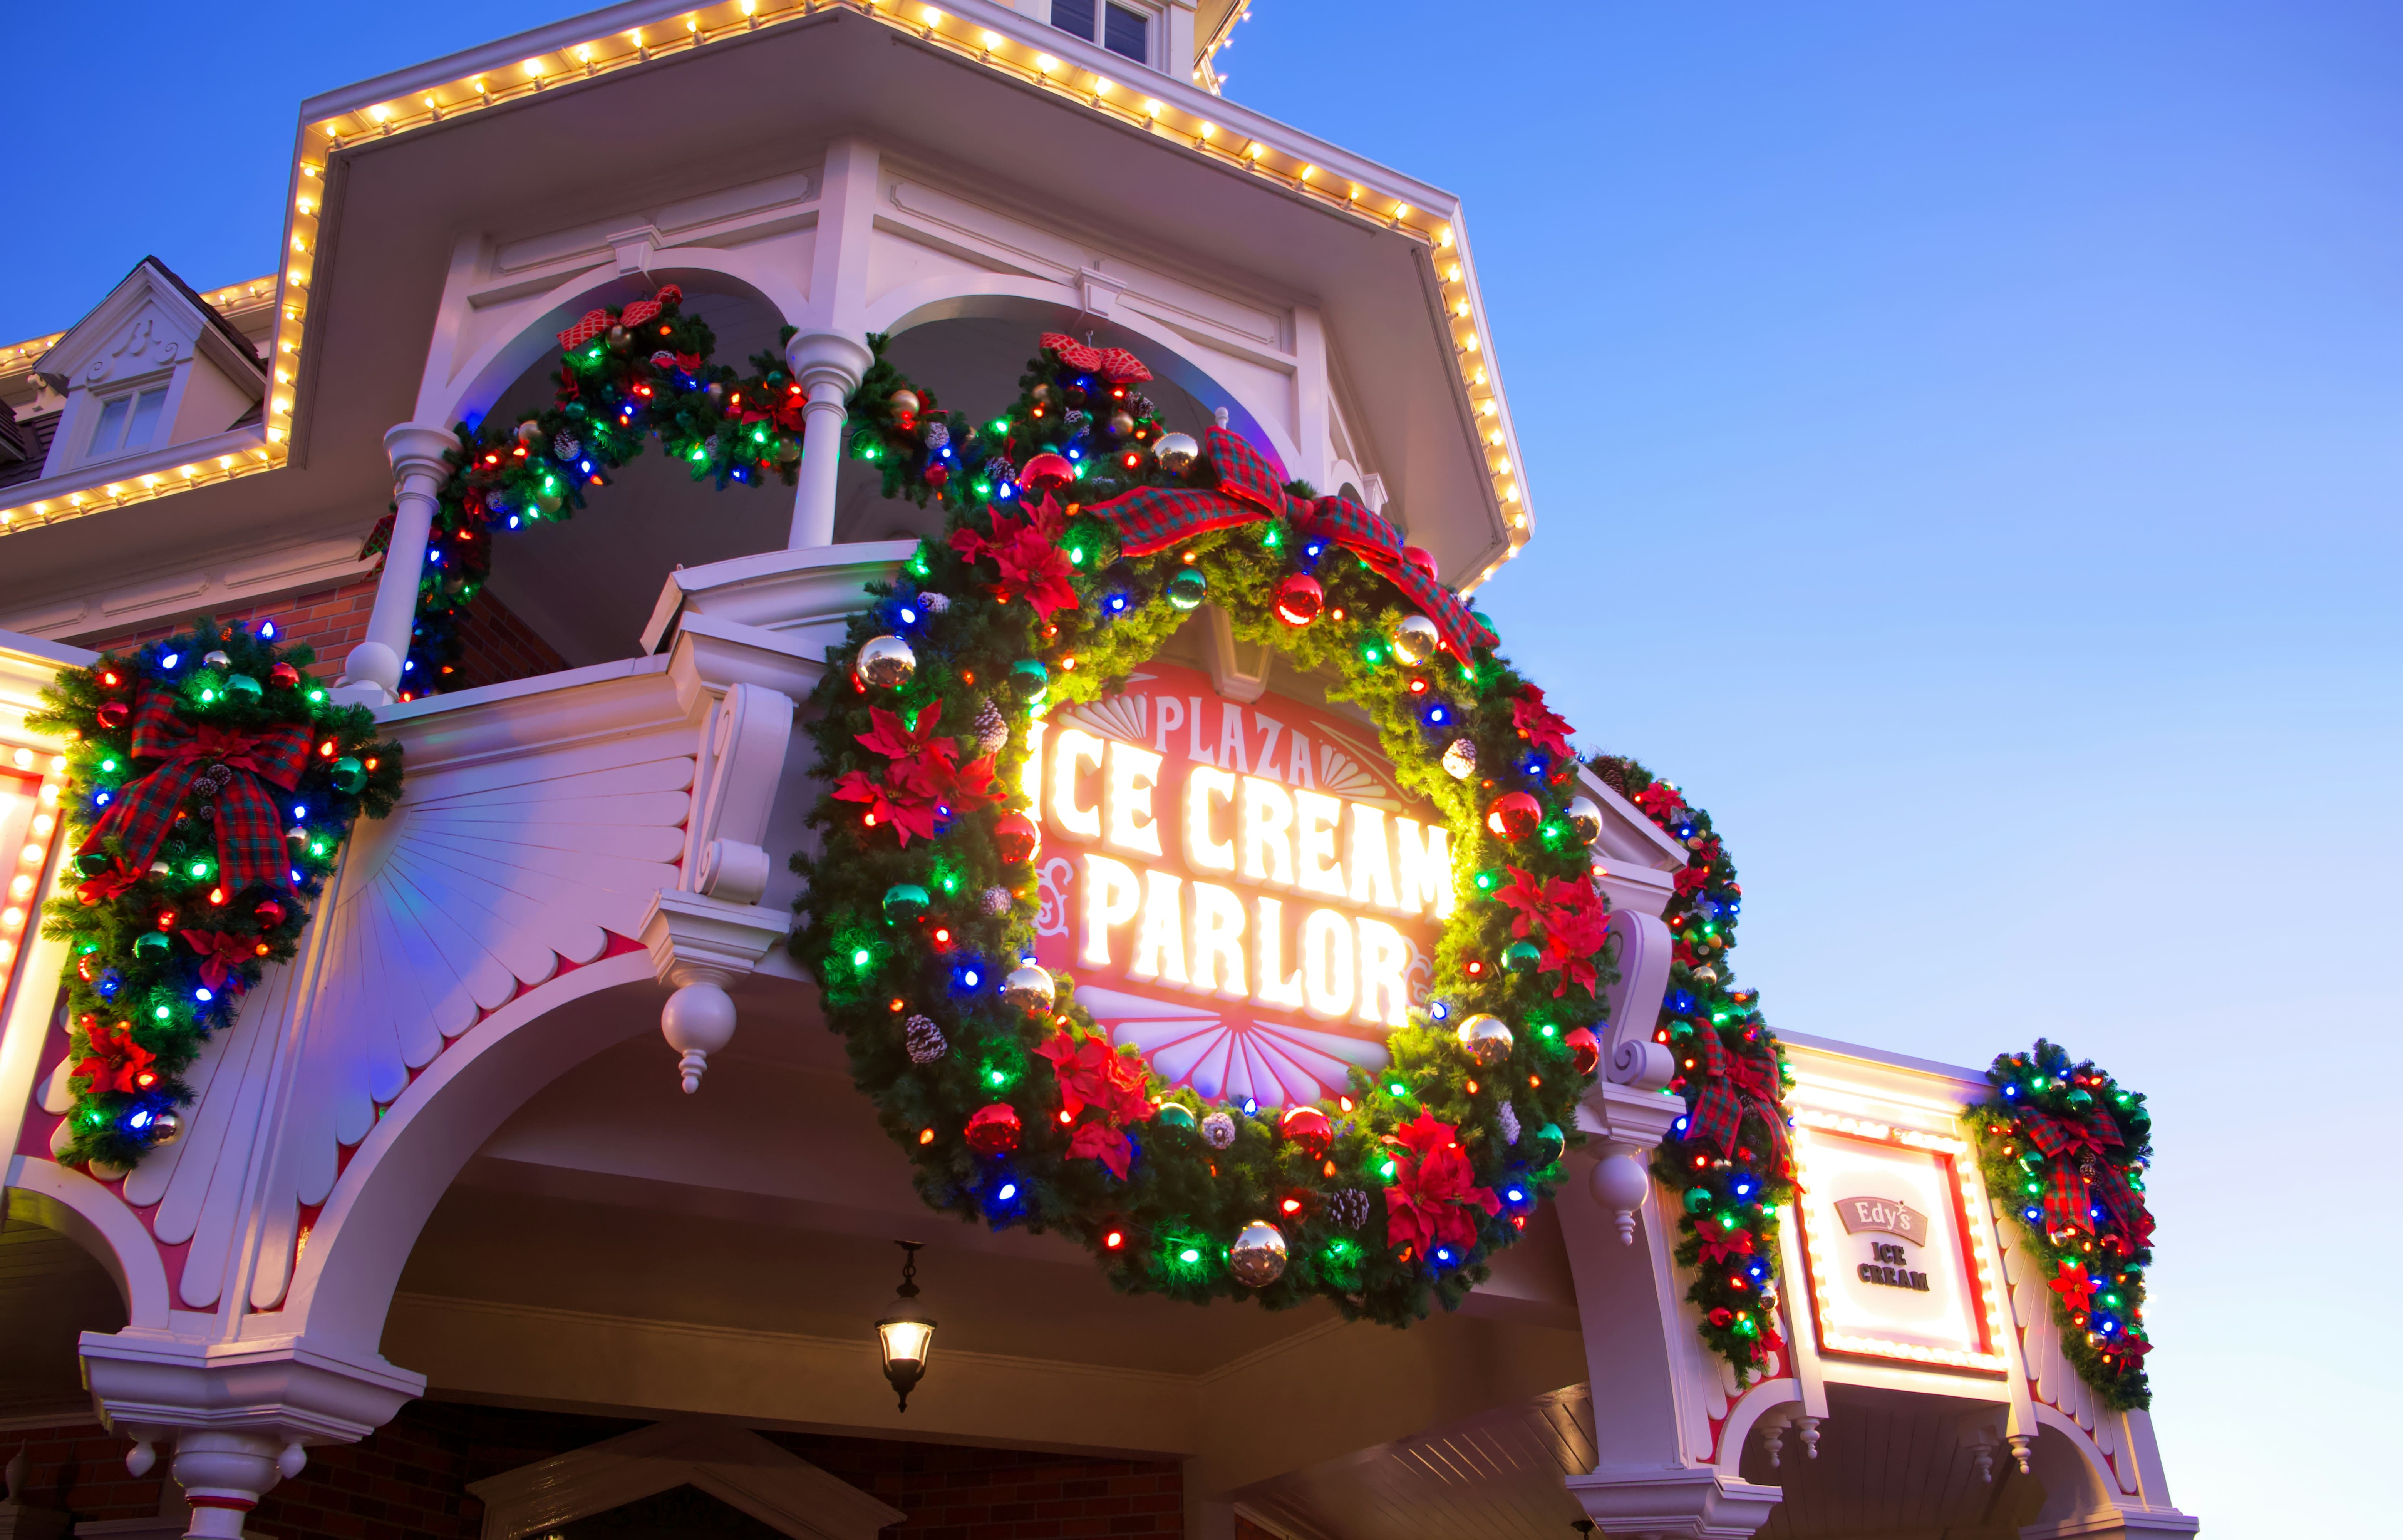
418, 469
828, 366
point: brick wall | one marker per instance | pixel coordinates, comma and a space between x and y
409, 1480
498, 646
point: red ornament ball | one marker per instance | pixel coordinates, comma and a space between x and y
994, 1130
113, 713
937, 476
1298, 600
1310, 1131
1722, 1317
1016, 839
270, 914
1420, 559
1585, 1051
1046, 470
1514, 815
285, 677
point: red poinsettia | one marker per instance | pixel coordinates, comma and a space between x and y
116, 1062
1095, 1076
923, 780
221, 952
1539, 723
1720, 1244
1032, 567
2075, 1287
1433, 1197
1661, 803
1570, 917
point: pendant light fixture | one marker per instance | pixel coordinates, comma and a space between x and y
906, 1334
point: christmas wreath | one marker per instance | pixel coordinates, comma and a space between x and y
1728, 1158
213, 786
2067, 1147
1081, 534
626, 374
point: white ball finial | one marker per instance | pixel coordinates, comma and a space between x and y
697, 1021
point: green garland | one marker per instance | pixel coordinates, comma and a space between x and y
619, 385
160, 957
2067, 1147
1730, 1190
908, 938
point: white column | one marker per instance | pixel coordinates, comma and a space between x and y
828, 366
417, 470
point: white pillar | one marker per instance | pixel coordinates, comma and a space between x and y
828, 366
418, 469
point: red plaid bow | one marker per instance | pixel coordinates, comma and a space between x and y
1152, 519
1728, 1082
1115, 364
2065, 1142
250, 840
595, 322
221, 952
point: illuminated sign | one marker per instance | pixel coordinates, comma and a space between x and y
1241, 891
1897, 1268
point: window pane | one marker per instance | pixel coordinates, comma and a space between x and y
146, 418
1074, 16
106, 438
1126, 34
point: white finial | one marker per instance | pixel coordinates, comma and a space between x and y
1220, 415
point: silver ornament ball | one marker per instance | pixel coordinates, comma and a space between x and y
1257, 1257
165, 1128
1585, 819
1415, 638
887, 663
1486, 1038
1175, 450
216, 660
1029, 986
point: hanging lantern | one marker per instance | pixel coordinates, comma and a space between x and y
907, 1334
1299, 599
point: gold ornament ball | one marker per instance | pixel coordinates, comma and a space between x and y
1121, 424
165, 1128
905, 402
1257, 1257
1585, 819
886, 663
1415, 638
1486, 1038
1176, 450
1029, 988
1706, 976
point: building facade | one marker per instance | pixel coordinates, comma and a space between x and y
453, 1241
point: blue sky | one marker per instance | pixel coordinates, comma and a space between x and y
1975, 428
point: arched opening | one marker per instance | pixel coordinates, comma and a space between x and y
53, 1290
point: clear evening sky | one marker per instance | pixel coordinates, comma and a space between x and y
1964, 443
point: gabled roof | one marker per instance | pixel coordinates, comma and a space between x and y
159, 279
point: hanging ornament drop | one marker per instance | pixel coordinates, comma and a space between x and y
1257, 1257
1514, 815
1299, 599
886, 663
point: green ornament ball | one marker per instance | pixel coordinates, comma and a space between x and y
1187, 588
244, 685
1030, 679
91, 864
1700, 1200
1549, 1143
152, 944
2080, 1098
1174, 1115
1521, 956
349, 776
905, 904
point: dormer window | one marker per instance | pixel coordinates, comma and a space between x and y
127, 423
1124, 29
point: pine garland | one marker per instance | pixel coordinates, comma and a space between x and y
161, 955
1730, 1185
619, 387
982, 1122
2067, 1147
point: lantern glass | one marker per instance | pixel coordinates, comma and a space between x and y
907, 1339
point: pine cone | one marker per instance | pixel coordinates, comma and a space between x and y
1507, 1118
924, 1039
936, 436
1348, 1208
566, 446
992, 728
